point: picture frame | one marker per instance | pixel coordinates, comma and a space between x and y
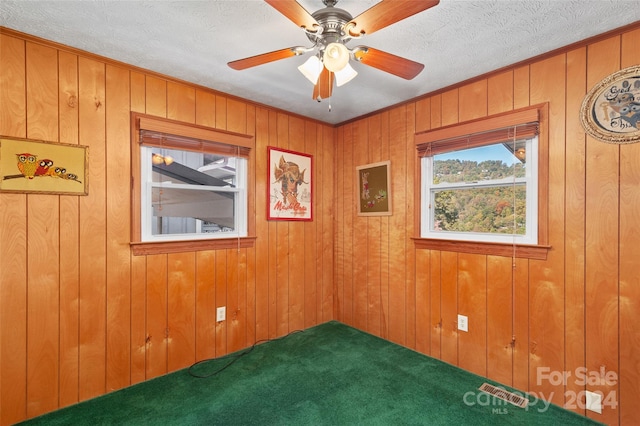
40, 167
374, 189
610, 112
289, 185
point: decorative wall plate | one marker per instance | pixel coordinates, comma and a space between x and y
611, 110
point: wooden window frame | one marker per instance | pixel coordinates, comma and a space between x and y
444, 138
185, 136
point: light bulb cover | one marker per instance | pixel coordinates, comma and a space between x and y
345, 75
335, 57
311, 69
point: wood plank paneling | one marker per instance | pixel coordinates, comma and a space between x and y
360, 240
69, 236
156, 96
435, 296
629, 297
474, 100
118, 258
110, 319
423, 302
500, 319
296, 260
472, 302
92, 317
312, 269
500, 93
449, 307
262, 309
522, 345
345, 232
92, 331
547, 277
376, 146
534, 316
156, 316
575, 228
138, 343
234, 314
43, 267
221, 300
385, 247
283, 246
409, 231
328, 212
13, 244
397, 320
181, 304
181, 102
602, 239
272, 140
205, 305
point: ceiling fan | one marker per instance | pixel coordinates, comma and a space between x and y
329, 29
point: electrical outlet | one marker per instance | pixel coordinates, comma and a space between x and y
463, 323
593, 402
221, 313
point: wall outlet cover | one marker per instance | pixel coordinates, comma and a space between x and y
463, 323
593, 402
221, 313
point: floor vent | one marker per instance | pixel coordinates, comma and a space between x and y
512, 398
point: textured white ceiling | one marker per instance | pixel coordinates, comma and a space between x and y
194, 40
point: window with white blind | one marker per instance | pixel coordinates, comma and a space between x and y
190, 183
485, 181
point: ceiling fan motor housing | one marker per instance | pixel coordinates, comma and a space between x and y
331, 20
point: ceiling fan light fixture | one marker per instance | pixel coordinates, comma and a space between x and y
335, 57
345, 75
311, 69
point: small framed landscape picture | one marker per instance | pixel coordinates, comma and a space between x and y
374, 184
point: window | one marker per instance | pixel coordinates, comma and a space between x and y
190, 186
486, 193
483, 184
191, 195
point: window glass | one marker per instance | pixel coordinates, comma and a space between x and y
188, 195
485, 193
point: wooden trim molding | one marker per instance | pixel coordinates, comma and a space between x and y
191, 131
538, 252
143, 249
480, 125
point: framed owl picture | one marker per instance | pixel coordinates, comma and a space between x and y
30, 166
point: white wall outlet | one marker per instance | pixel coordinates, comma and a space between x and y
463, 323
593, 402
221, 313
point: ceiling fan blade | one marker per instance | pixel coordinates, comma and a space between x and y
296, 13
387, 62
324, 86
264, 58
385, 13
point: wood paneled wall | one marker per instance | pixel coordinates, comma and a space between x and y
576, 312
81, 316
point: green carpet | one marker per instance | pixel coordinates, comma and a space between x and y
331, 374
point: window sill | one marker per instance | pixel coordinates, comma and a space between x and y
143, 249
538, 252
